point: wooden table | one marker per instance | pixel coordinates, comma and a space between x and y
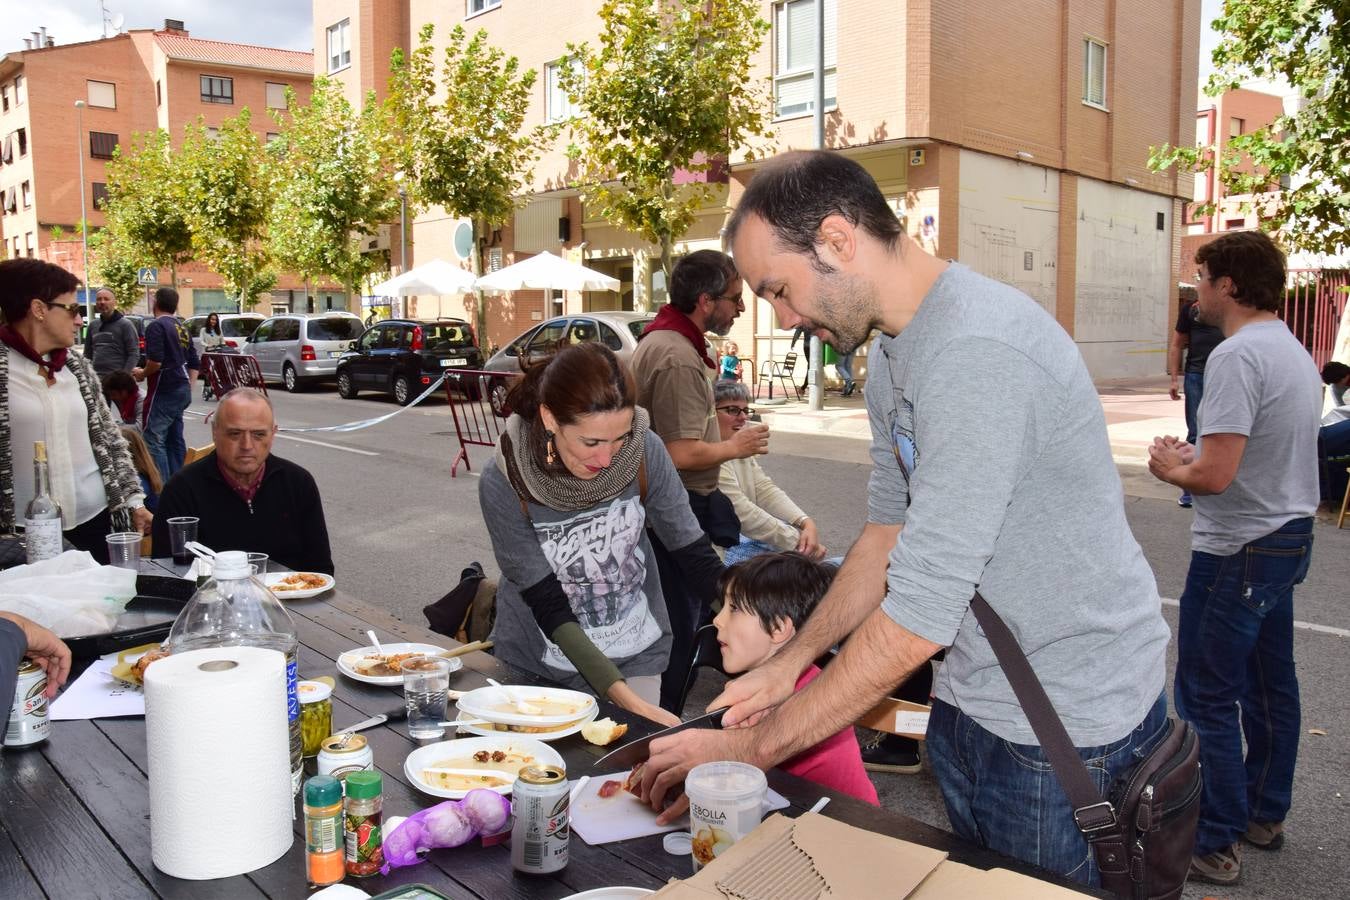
74, 821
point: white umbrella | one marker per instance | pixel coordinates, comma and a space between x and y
544, 271
437, 277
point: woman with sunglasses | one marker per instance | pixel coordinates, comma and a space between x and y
770, 521
49, 394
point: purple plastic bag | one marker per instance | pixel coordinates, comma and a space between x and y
447, 824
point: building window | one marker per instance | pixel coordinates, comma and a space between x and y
1234, 127
100, 194
159, 93
217, 90
22, 135
102, 144
794, 62
212, 133
20, 95
477, 6
1234, 224
28, 243
273, 136
558, 106
4, 98
1094, 73
276, 95
339, 45
26, 189
102, 94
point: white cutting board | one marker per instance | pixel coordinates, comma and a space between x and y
603, 820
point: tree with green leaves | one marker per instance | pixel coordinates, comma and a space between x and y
114, 264
464, 146
338, 188
227, 191
1307, 45
145, 202
668, 89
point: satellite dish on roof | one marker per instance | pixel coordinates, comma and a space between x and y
118, 20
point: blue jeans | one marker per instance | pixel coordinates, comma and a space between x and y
746, 549
844, 366
1235, 661
164, 428
1006, 796
1194, 388
1333, 441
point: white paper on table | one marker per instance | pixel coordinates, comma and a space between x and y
97, 695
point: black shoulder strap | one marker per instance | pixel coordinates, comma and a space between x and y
1092, 813
642, 480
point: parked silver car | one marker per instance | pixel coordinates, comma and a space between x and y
616, 329
299, 349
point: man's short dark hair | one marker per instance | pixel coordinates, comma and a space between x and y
24, 280
166, 300
701, 272
1254, 263
795, 192
776, 586
1333, 372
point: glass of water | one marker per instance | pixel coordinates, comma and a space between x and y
426, 679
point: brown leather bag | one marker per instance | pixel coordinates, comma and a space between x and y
1143, 832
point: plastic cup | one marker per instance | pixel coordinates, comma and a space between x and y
124, 549
181, 530
259, 563
426, 680
726, 802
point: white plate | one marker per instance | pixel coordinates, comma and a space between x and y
547, 737
611, 893
271, 579
346, 663
483, 702
431, 754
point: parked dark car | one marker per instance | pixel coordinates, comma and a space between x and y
404, 356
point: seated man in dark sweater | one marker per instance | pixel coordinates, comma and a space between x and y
246, 498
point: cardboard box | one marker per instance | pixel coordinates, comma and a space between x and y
896, 716
813, 857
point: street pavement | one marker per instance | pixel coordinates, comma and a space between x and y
402, 528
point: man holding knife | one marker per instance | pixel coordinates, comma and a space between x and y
1014, 494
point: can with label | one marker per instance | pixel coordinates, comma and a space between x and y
342, 754
540, 833
28, 723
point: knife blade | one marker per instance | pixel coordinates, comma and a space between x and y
634, 752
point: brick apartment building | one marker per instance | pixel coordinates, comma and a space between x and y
1013, 140
131, 84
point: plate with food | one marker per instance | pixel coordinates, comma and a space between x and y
451, 769
131, 662
527, 705
368, 664
485, 728
298, 585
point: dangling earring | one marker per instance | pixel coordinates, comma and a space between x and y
551, 452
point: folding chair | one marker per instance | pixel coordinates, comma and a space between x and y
781, 371
1345, 502
708, 654
195, 453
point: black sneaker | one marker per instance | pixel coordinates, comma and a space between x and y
897, 755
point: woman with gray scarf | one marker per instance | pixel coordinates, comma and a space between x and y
576, 481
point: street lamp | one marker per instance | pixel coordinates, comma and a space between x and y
402, 226
84, 216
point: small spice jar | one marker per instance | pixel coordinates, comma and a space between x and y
362, 814
325, 851
316, 715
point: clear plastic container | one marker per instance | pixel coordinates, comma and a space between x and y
726, 802
235, 609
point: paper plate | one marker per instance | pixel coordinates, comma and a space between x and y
464, 748
272, 579
346, 662
612, 893
489, 702
485, 731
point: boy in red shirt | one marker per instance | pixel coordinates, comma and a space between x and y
765, 599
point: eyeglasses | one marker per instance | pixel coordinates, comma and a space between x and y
735, 410
73, 308
734, 298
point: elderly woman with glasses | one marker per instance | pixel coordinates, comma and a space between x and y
49, 394
770, 521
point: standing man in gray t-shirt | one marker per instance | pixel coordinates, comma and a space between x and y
1014, 493
1253, 474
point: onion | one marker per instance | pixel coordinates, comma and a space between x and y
487, 810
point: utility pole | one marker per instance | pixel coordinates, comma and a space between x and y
815, 357
84, 216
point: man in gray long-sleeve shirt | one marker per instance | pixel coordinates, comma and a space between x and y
1014, 494
113, 344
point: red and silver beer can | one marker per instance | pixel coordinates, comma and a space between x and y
28, 722
540, 832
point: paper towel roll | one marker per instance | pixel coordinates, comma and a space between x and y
219, 750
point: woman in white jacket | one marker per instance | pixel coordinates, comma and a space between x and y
769, 519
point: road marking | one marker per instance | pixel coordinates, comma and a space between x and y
287, 437
1306, 626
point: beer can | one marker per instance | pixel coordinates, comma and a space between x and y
28, 722
342, 754
540, 832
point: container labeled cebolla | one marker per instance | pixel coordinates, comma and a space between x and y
726, 802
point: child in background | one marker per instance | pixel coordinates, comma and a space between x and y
765, 600
124, 398
151, 482
731, 363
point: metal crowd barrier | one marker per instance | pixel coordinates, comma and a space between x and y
478, 406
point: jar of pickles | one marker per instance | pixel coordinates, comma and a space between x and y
316, 715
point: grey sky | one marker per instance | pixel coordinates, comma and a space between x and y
272, 23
